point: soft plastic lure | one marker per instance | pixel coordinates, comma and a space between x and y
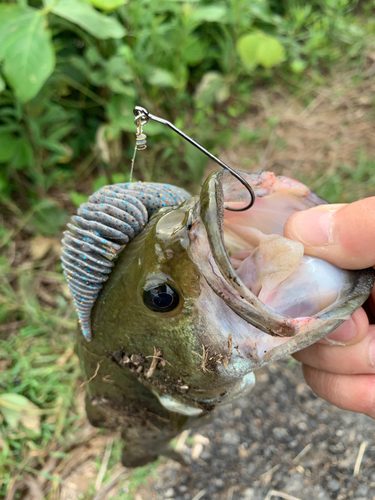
113, 216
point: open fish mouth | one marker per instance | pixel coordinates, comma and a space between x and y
264, 277
261, 298
247, 295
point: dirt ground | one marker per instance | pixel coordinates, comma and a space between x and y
313, 130
281, 441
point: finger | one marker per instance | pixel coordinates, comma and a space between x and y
350, 332
347, 360
341, 234
348, 392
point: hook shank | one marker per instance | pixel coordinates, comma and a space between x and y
142, 114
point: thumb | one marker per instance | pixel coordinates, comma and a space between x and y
341, 234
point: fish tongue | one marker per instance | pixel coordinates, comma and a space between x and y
271, 262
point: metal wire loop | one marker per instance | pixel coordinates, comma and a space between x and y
140, 114
143, 116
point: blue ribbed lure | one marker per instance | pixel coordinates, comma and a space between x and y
113, 216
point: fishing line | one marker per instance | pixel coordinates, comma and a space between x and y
132, 164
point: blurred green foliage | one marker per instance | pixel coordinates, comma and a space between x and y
73, 70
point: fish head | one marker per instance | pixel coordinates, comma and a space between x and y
204, 296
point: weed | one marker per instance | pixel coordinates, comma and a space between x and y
139, 476
344, 184
36, 363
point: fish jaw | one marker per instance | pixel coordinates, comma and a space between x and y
277, 199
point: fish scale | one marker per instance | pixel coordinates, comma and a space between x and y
111, 218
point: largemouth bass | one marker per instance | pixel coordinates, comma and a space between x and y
196, 302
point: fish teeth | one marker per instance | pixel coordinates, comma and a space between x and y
113, 216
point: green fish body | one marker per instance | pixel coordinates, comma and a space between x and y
199, 299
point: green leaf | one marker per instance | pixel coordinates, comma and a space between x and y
119, 88
48, 218
99, 183
298, 65
194, 51
108, 4
2, 84
24, 154
160, 77
17, 409
8, 144
81, 64
77, 198
270, 52
211, 89
84, 15
93, 55
126, 52
27, 49
258, 48
247, 47
9, 16
120, 112
209, 13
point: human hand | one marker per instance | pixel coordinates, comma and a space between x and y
344, 235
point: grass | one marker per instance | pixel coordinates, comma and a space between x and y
39, 363
344, 184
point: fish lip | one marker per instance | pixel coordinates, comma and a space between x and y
255, 311
212, 215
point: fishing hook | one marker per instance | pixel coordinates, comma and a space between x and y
142, 117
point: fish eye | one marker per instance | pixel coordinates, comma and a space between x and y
161, 298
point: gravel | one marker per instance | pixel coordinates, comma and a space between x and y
279, 438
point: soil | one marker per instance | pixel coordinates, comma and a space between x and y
281, 441
310, 134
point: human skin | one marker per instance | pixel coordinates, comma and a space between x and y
341, 367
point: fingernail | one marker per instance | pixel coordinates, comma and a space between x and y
372, 353
313, 227
344, 333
